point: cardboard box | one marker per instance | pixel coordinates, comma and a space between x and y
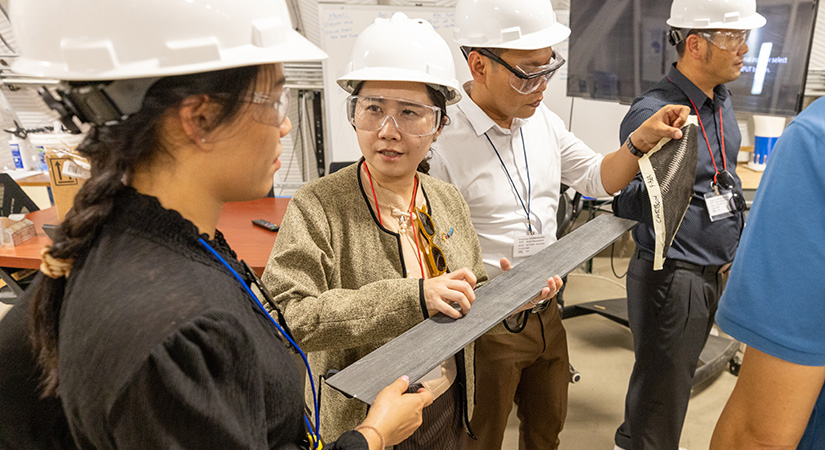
15, 229
64, 187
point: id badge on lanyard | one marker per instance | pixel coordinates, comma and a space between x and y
719, 204
312, 442
530, 245
313, 435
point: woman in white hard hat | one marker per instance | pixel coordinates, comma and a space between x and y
382, 245
144, 321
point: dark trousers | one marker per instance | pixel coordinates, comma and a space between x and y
671, 313
530, 367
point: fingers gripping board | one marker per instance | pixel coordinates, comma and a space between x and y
424, 346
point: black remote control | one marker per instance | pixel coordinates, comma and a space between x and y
267, 225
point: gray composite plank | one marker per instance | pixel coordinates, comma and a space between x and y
424, 346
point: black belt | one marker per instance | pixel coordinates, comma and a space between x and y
517, 322
677, 264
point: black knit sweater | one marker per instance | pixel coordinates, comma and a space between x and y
161, 348
27, 422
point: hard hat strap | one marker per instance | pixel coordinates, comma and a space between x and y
102, 103
675, 36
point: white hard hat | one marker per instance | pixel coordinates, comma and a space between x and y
402, 49
122, 39
715, 14
509, 24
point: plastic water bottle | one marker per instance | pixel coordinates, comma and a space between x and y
41, 158
767, 130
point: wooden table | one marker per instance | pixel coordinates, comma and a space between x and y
253, 244
40, 179
750, 178
27, 254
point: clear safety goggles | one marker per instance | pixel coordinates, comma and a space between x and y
725, 39
411, 118
527, 80
270, 110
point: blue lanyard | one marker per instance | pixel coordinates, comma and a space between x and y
529, 185
314, 432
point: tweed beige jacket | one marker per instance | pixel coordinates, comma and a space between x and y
338, 277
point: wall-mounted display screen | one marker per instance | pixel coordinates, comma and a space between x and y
619, 48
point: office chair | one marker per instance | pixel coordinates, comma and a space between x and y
14, 200
335, 166
719, 352
567, 212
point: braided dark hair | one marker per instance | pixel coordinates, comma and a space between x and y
114, 151
439, 100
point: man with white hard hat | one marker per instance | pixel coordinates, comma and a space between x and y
508, 155
671, 310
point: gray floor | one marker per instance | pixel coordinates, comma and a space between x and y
602, 351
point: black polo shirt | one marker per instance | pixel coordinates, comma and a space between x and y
698, 240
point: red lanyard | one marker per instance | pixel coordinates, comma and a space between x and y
377, 209
722, 129
412, 222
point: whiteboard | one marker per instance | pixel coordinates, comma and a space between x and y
340, 25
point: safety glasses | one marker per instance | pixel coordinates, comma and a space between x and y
270, 110
433, 254
409, 117
726, 40
724, 180
527, 80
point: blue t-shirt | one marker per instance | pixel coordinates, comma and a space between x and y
775, 298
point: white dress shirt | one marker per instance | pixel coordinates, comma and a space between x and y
463, 156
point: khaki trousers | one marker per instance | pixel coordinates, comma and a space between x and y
530, 368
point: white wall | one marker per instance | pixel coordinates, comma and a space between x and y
818, 50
